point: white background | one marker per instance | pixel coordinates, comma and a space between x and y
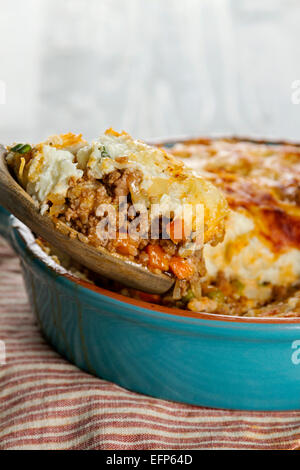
151, 67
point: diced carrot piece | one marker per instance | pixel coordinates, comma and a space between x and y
177, 230
158, 259
152, 298
181, 268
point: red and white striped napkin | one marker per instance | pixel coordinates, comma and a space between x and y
48, 403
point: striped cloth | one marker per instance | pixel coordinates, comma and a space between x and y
47, 403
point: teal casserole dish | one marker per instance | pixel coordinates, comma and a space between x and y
201, 359
197, 358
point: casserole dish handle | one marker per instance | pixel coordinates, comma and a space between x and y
5, 226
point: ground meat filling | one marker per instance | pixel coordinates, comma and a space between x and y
118, 182
81, 213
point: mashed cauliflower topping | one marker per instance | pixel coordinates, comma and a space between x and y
50, 173
47, 169
243, 255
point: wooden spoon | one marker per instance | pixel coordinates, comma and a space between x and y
110, 265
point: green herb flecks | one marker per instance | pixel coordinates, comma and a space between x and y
21, 148
238, 286
188, 296
104, 152
216, 295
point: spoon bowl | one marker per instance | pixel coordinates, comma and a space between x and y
99, 260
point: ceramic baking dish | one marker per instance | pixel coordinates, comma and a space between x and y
196, 358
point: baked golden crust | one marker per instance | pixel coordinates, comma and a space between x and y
257, 267
262, 179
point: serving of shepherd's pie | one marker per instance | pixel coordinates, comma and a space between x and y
254, 270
